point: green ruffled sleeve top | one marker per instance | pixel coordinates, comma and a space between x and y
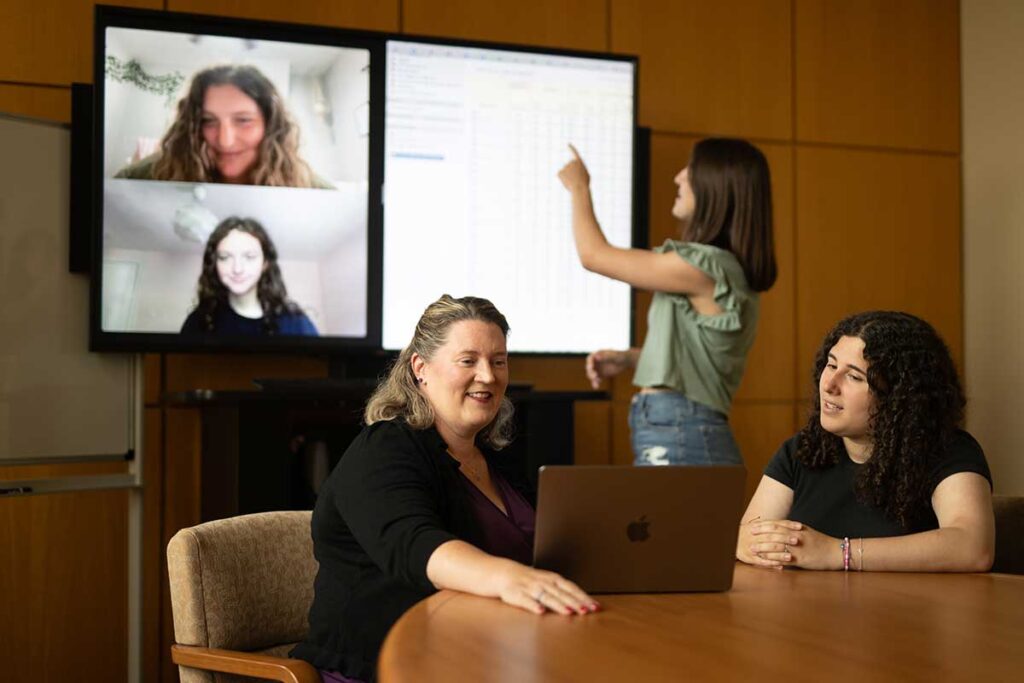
700, 356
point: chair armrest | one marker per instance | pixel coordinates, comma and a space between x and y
245, 664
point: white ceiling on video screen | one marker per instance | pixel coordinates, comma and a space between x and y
195, 51
139, 214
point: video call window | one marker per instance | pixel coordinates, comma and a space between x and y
235, 186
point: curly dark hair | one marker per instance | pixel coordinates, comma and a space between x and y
184, 155
918, 404
270, 290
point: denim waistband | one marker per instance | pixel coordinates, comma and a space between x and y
681, 403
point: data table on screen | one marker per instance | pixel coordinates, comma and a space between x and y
474, 139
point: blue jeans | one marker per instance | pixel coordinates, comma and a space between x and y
666, 428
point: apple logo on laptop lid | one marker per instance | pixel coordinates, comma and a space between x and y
638, 530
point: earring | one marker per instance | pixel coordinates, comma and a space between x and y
422, 382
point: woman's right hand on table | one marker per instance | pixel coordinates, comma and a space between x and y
538, 591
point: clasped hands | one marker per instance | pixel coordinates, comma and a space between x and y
784, 543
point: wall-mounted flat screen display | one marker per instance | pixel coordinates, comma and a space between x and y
301, 188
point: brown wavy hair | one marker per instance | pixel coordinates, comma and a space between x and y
270, 289
732, 191
918, 405
185, 156
398, 395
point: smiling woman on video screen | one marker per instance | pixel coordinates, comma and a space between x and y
231, 127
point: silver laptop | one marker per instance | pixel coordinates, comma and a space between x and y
639, 529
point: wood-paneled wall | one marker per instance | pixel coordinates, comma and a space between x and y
63, 579
856, 105
992, 41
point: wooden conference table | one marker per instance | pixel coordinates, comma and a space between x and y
773, 625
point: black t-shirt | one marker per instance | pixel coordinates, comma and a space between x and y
394, 497
825, 500
227, 323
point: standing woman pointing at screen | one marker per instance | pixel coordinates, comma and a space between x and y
703, 316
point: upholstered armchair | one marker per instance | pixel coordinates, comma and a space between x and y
240, 594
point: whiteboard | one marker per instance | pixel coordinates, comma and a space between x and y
57, 400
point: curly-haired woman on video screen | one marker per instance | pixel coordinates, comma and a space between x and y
881, 477
231, 127
241, 291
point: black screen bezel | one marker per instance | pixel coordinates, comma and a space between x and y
376, 43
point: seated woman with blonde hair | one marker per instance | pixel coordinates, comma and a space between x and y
881, 477
422, 500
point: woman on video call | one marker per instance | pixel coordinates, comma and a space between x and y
240, 290
423, 499
703, 316
231, 127
881, 477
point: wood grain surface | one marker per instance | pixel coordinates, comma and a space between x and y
773, 625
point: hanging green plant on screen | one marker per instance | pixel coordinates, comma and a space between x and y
131, 72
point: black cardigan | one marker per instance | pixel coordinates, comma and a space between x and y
393, 498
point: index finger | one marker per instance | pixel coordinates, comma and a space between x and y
575, 153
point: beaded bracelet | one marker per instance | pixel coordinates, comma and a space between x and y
844, 545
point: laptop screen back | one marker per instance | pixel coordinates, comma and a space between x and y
639, 529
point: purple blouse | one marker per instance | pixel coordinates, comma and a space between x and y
508, 536
335, 677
